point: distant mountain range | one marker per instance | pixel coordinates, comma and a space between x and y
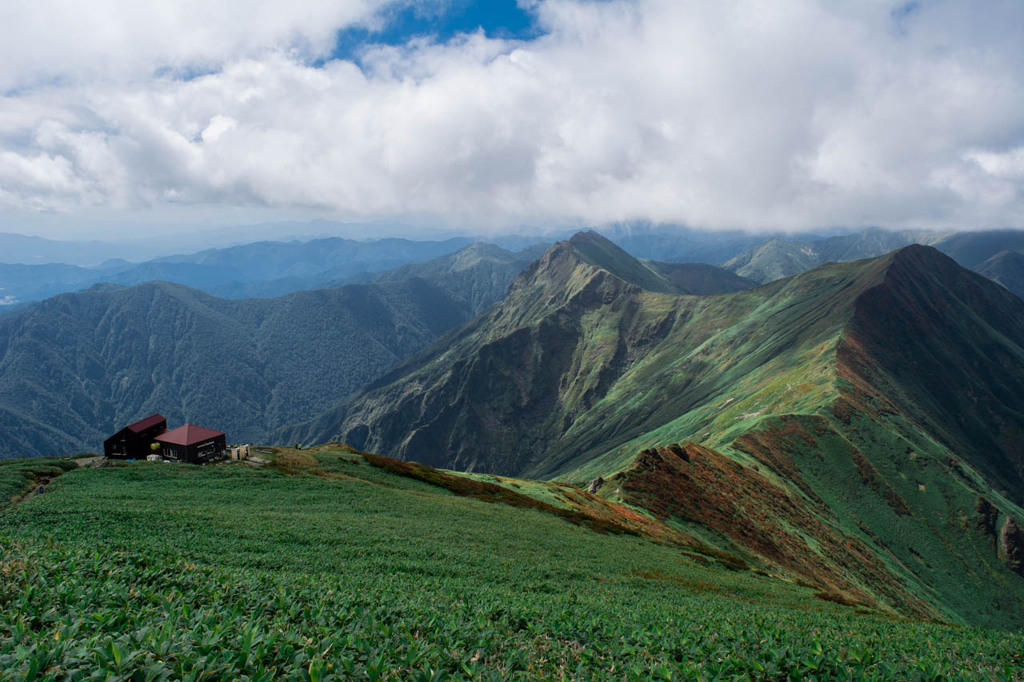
857, 425
778, 257
267, 269
261, 269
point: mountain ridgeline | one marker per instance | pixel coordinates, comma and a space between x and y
993, 253
478, 275
857, 426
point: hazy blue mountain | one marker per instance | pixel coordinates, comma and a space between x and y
972, 249
20, 283
29, 250
261, 269
678, 244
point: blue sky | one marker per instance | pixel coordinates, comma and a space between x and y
503, 19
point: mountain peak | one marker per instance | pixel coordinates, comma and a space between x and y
922, 255
599, 252
913, 265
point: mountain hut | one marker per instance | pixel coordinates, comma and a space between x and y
133, 441
191, 443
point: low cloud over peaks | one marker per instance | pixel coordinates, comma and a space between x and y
793, 114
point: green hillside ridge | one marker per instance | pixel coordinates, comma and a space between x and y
1006, 268
323, 566
700, 279
595, 250
878, 401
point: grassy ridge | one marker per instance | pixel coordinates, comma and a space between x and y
342, 570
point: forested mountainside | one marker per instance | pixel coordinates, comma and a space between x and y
77, 367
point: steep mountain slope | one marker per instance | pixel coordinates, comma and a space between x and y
857, 426
775, 259
700, 279
550, 357
479, 274
77, 366
1006, 268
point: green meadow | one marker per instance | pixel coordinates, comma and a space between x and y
323, 567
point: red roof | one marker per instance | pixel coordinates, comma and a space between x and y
189, 434
147, 423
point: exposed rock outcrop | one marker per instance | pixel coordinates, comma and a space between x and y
1011, 546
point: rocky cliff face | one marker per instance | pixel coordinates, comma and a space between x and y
1011, 546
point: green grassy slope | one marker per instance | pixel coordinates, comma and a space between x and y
904, 373
699, 279
325, 567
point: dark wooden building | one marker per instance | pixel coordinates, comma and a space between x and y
134, 440
191, 443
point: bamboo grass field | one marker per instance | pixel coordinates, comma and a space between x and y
323, 567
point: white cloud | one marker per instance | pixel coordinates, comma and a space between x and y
791, 114
114, 39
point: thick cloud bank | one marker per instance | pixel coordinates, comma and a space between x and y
735, 113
